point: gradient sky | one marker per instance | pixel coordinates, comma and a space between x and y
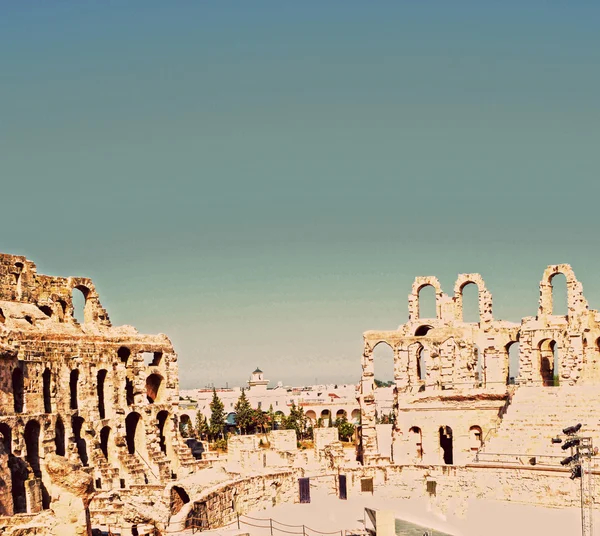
262, 181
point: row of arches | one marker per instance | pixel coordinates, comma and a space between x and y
467, 298
445, 442
154, 390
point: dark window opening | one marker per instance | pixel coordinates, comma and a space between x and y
59, 437
131, 424
2, 317
124, 354
77, 424
421, 331
153, 383
73, 381
162, 419
104, 436
100, 389
446, 444
46, 377
129, 392
32, 445
18, 390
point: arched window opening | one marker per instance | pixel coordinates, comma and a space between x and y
77, 425
156, 359
513, 362
470, 303
46, 310
475, 438
549, 361
427, 305
446, 444
341, 414
415, 438
185, 426
130, 399
162, 419
32, 445
383, 365
153, 388
179, 497
59, 437
62, 310
46, 377
421, 364
355, 416
325, 417
104, 437
132, 432
73, 385
19, 472
124, 353
101, 378
18, 281
311, 416
559, 295
598, 344
79, 296
18, 390
421, 331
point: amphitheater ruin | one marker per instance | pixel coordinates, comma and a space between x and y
90, 434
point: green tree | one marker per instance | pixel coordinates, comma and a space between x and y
202, 428
270, 418
217, 417
345, 428
296, 420
244, 414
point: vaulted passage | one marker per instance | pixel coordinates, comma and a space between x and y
100, 390
18, 394
104, 437
32, 444
73, 385
162, 419
46, 388
446, 444
59, 437
77, 425
132, 432
153, 387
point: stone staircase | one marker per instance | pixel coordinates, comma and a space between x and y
136, 471
536, 415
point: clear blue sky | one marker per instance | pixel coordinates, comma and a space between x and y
263, 180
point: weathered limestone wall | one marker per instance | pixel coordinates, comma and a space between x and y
284, 440
324, 437
102, 396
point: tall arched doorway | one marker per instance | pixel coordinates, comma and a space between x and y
446, 444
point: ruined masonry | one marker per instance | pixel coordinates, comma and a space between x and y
453, 398
99, 398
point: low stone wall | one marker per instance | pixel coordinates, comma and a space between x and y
324, 437
283, 440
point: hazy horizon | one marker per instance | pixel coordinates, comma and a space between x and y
263, 181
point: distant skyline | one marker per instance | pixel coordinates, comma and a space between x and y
263, 181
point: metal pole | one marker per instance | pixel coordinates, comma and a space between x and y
238, 519
303, 531
271, 525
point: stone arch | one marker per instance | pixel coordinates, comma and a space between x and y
549, 361
77, 427
446, 445
383, 353
59, 437
423, 330
32, 445
186, 428
154, 388
413, 298
129, 393
513, 356
161, 419
73, 388
100, 383
179, 497
104, 439
18, 388
47, 390
485, 297
576, 302
134, 432
124, 354
415, 438
79, 298
325, 417
475, 438
311, 416
355, 416
341, 414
